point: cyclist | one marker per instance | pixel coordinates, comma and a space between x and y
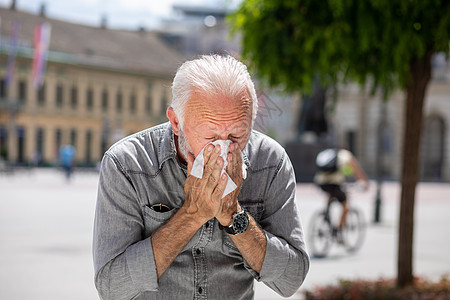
334, 167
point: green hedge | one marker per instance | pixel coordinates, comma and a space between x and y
382, 289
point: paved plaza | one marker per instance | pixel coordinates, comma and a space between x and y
46, 229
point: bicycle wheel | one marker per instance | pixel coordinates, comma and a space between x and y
319, 235
354, 230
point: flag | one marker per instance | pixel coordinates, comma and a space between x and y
12, 52
41, 44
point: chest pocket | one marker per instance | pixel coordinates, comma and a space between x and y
153, 219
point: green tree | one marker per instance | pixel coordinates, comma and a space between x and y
387, 43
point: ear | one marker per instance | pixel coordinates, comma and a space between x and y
173, 120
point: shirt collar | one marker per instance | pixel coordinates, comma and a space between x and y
167, 149
245, 157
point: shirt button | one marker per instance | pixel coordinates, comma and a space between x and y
198, 251
207, 224
200, 290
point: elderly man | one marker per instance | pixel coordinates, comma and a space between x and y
163, 233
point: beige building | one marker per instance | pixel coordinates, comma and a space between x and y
99, 86
357, 118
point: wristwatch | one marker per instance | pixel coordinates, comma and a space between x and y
239, 224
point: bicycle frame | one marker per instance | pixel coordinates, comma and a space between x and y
323, 233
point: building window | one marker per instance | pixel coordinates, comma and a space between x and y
59, 96
105, 100
132, 103
148, 105
41, 95
119, 102
74, 97
433, 150
350, 138
73, 137
3, 142
3, 90
90, 99
58, 140
149, 99
104, 139
88, 147
21, 133
22, 92
37, 156
164, 104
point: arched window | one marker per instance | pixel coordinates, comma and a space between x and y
432, 151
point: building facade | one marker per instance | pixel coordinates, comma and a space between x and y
99, 86
374, 129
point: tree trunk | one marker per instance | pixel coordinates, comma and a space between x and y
415, 94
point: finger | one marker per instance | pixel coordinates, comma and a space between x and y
237, 154
191, 159
230, 166
207, 152
234, 168
220, 188
211, 160
231, 205
214, 177
230, 158
192, 184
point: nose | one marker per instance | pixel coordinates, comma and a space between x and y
223, 136
225, 132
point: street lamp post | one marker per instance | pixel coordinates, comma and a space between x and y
380, 151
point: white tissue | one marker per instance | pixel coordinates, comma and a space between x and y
197, 168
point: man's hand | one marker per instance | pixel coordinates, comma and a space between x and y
230, 203
203, 195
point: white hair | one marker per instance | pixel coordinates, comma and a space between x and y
213, 75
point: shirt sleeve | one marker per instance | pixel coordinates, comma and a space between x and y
124, 263
286, 262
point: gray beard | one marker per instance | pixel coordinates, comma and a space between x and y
183, 145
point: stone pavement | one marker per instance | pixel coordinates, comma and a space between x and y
46, 229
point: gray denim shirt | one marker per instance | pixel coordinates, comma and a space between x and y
142, 170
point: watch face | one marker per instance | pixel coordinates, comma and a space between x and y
240, 223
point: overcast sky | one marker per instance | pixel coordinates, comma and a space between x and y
127, 14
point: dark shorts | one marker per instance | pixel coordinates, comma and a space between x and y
334, 191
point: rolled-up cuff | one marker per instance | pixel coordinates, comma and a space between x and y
275, 260
141, 265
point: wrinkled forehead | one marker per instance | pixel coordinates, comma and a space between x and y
217, 103
218, 112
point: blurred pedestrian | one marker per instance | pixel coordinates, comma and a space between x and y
67, 158
36, 159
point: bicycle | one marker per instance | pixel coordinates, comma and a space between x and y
324, 230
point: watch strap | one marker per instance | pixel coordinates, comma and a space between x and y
229, 229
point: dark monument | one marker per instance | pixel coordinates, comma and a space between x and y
312, 133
